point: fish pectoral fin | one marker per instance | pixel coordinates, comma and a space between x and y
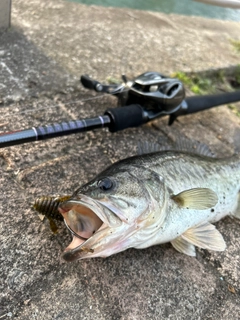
184, 246
196, 198
205, 236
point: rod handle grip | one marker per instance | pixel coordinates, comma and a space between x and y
125, 117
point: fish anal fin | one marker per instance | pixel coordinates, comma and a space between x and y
196, 198
205, 236
184, 246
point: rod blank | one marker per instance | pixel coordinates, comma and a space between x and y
115, 119
53, 130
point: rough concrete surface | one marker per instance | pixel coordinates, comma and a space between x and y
51, 43
5, 14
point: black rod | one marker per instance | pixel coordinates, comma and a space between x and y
200, 103
53, 130
115, 119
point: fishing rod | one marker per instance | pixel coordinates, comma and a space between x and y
149, 96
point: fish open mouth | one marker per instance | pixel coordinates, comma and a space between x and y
81, 221
87, 222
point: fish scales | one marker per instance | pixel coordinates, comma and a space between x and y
166, 196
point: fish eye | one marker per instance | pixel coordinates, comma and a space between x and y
105, 184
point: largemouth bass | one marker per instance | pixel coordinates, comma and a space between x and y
165, 196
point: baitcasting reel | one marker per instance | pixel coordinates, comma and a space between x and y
156, 93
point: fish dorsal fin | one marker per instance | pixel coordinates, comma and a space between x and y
181, 144
196, 198
205, 236
145, 147
184, 246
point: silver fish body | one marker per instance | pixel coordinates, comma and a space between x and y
166, 196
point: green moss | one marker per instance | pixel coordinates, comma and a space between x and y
112, 80
220, 76
237, 74
234, 109
196, 83
236, 44
211, 81
183, 77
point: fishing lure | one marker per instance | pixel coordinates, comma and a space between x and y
48, 206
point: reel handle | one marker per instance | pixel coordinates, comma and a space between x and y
90, 83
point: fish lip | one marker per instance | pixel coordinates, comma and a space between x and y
80, 251
86, 246
114, 209
86, 202
85, 249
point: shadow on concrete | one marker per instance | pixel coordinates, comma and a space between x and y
25, 71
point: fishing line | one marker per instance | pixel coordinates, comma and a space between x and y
54, 105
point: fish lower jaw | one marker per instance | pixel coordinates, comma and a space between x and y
77, 250
76, 242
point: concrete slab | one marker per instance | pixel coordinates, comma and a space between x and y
49, 46
5, 14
